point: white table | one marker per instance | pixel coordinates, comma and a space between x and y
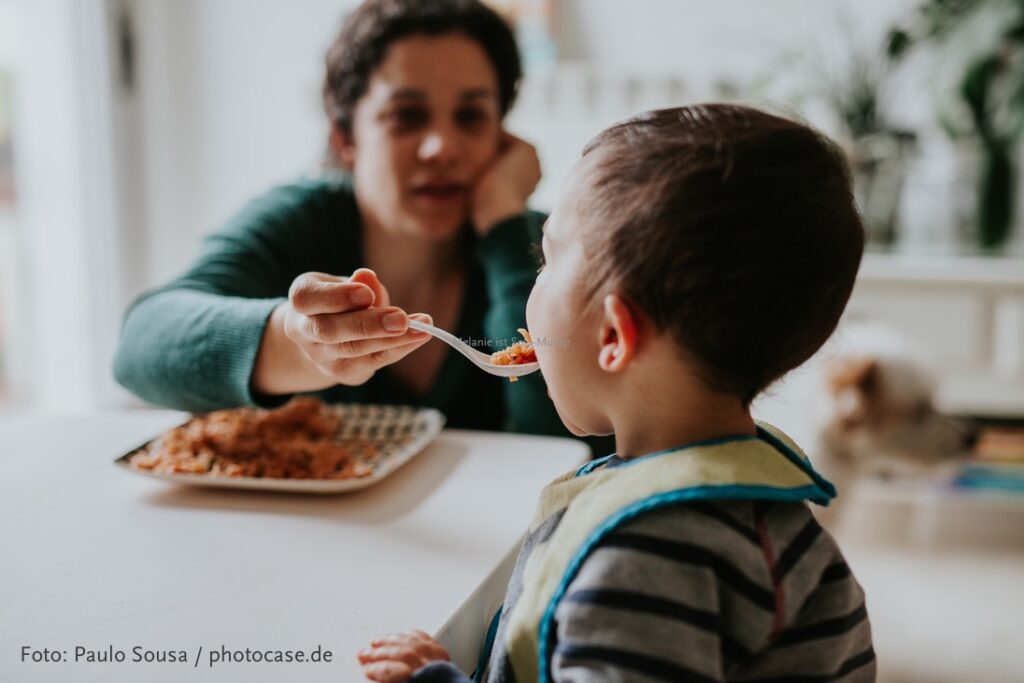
93, 556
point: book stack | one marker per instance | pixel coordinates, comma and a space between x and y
996, 462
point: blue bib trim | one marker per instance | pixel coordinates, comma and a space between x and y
485, 653
800, 462
587, 468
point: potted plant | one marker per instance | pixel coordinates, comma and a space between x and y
878, 151
850, 90
989, 37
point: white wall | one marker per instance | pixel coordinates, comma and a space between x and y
785, 50
230, 103
227, 104
12, 312
229, 93
230, 88
708, 39
65, 265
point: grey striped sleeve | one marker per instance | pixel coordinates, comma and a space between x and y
680, 594
825, 634
714, 591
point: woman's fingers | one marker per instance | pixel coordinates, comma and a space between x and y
508, 140
344, 327
335, 328
376, 360
317, 293
503, 188
367, 277
365, 347
522, 151
354, 348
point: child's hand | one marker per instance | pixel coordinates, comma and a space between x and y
394, 658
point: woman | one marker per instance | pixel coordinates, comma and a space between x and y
290, 297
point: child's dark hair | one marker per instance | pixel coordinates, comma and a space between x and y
733, 229
371, 28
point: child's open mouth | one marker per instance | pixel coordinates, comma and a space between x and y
517, 354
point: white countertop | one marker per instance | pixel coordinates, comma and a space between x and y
93, 556
947, 270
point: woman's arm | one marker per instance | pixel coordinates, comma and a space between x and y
193, 343
189, 349
259, 317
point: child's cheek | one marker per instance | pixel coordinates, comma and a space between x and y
534, 312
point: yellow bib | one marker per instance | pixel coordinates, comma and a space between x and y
766, 467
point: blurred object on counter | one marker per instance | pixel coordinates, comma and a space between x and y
997, 461
1000, 444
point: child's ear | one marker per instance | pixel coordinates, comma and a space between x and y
344, 147
618, 336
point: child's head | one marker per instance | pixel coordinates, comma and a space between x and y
719, 235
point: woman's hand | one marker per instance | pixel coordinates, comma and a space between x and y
394, 658
503, 188
332, 330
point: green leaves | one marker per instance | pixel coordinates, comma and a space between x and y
974, 90
897, 44
991, 90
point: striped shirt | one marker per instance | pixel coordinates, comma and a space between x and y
732, 590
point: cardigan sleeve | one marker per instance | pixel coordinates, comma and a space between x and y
192, 344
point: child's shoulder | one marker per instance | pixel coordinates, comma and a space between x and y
763, 558
738, 570
748, 543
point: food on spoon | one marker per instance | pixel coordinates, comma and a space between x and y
517, 354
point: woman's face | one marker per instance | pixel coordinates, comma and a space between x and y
426, 127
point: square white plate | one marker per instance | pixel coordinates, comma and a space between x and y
398, 432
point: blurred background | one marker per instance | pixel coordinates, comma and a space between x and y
131, 128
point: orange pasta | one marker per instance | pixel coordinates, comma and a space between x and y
517, 354
296, 441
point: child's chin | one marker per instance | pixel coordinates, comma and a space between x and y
573, 428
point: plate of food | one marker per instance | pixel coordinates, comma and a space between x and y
305, 446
